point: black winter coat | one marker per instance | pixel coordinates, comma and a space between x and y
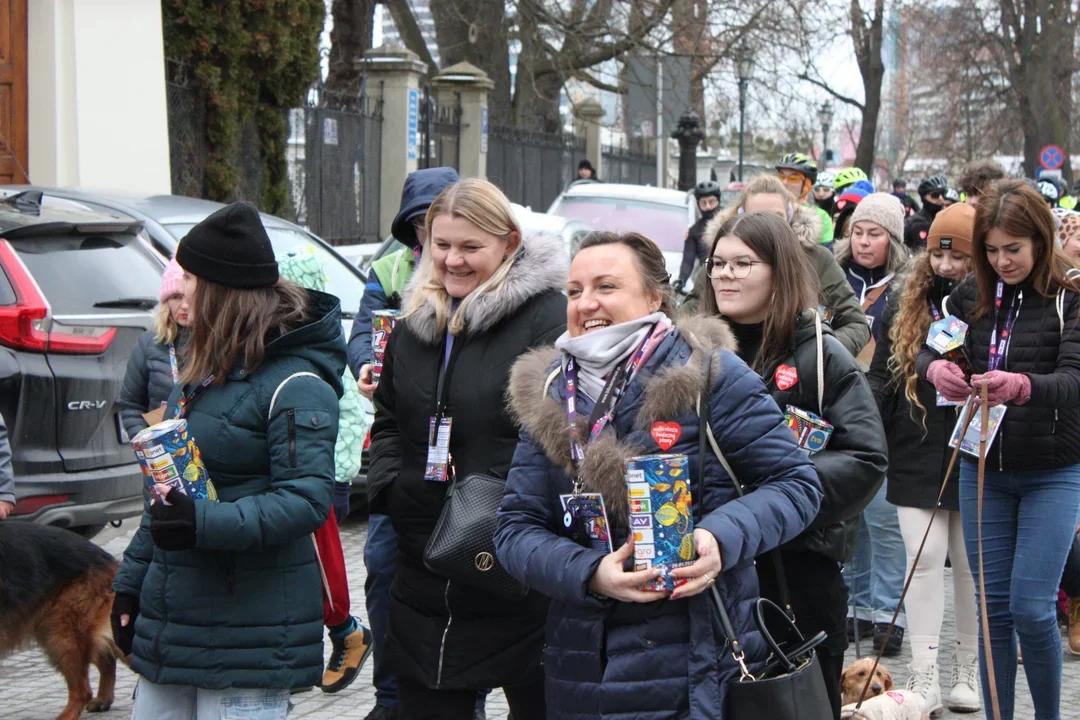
917, 226
147, 383
852, 466
490, 641
918, 457
1044, 433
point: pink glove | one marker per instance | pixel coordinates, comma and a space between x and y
949, 380
1003, 387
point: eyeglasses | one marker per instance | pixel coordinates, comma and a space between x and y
935, 195
740, 266
791, 177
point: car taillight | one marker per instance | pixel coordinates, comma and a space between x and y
23, 325
29, 505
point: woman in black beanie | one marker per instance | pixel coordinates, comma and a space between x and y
219, 602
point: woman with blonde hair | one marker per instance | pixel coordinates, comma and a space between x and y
219, 600
481, 296
918, 428
766, 193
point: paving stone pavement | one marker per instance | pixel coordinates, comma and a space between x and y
31, 690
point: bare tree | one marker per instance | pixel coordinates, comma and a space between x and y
354, 22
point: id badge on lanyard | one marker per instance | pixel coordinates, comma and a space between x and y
439, 466
585, 517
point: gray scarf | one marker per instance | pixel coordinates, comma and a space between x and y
599, 352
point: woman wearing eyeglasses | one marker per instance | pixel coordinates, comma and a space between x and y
765, 288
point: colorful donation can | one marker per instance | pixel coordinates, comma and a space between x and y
661, 518
168, 456
810, 429
382, 324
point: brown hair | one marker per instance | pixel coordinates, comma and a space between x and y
233, 325
978, 176
650, 261
1019, 210
795, 286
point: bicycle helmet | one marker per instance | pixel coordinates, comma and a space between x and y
848, 176
952, 195
934, 183
824, 180
1049, 191
799, 163
706, 188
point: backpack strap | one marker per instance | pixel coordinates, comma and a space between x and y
820, 363
273, 399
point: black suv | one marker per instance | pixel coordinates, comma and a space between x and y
75, 293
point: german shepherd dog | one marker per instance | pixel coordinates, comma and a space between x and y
55, 589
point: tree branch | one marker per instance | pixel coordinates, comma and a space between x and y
825, 86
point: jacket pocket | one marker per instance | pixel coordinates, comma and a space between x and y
300, 420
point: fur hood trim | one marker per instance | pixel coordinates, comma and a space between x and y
805, 222
670, 392
540, 264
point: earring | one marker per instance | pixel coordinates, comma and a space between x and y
506, 256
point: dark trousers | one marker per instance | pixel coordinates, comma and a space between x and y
380, 559
418, 702
818, 598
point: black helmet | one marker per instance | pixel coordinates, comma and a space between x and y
706, 188
899, 182
799, 163
934, 183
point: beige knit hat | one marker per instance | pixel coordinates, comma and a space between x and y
885, 210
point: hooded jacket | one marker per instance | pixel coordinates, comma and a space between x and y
148, 381
694, 248
917, 226
243, 608
842, 308
1044, 433
443, 633
665, 659
389, 274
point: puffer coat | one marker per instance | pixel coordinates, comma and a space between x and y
667, 659
1044, 433
147, 383
243, 608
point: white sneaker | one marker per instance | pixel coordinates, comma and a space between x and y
924, 683
964, 695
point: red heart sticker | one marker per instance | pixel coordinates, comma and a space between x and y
786, 376
922, 234
665, 434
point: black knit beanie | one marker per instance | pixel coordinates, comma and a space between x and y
230, 247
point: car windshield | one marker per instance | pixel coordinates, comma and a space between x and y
663, 224
341, 280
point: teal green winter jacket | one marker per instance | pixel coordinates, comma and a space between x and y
243, 608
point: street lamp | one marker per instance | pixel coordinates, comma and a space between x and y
825, 115
744, 64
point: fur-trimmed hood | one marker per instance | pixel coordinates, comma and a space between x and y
804, 221
667, 387
540, 264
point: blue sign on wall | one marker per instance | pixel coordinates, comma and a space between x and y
483, 130
414, 121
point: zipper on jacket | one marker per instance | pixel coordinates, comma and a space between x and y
446, 631
292, 438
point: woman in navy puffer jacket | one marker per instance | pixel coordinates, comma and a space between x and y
613, 650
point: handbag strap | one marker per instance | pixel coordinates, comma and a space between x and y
820, 363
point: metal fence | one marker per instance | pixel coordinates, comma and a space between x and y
439, 141
531, 167
629, 165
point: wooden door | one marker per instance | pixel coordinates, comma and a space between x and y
13, 101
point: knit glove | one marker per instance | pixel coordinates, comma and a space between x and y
172, 526
1003, 387
949, 380
124, 635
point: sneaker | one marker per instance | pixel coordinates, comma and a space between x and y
1074, 626
924, 683
349, 655
964, 694
866, 629
895, 643
382, 712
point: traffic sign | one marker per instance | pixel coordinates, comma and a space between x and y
1051, 157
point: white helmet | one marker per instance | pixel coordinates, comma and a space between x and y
824, 180
1049, 191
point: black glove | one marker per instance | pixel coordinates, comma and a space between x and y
340, 500
172, 526
124, 636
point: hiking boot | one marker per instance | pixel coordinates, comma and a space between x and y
964, 694
924, 683
1074, 625
382, 712
866, 629
895, 642
349, 655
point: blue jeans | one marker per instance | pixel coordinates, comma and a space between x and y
876, 576
181, 702
380, 559
1029, 520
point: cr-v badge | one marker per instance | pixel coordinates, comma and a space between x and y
87, 404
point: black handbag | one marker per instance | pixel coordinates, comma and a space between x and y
791, 685
462, 545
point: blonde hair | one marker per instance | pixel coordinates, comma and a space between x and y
763, 185
165, 328
909, 328
485, 206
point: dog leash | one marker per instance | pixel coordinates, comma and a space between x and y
985, 417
